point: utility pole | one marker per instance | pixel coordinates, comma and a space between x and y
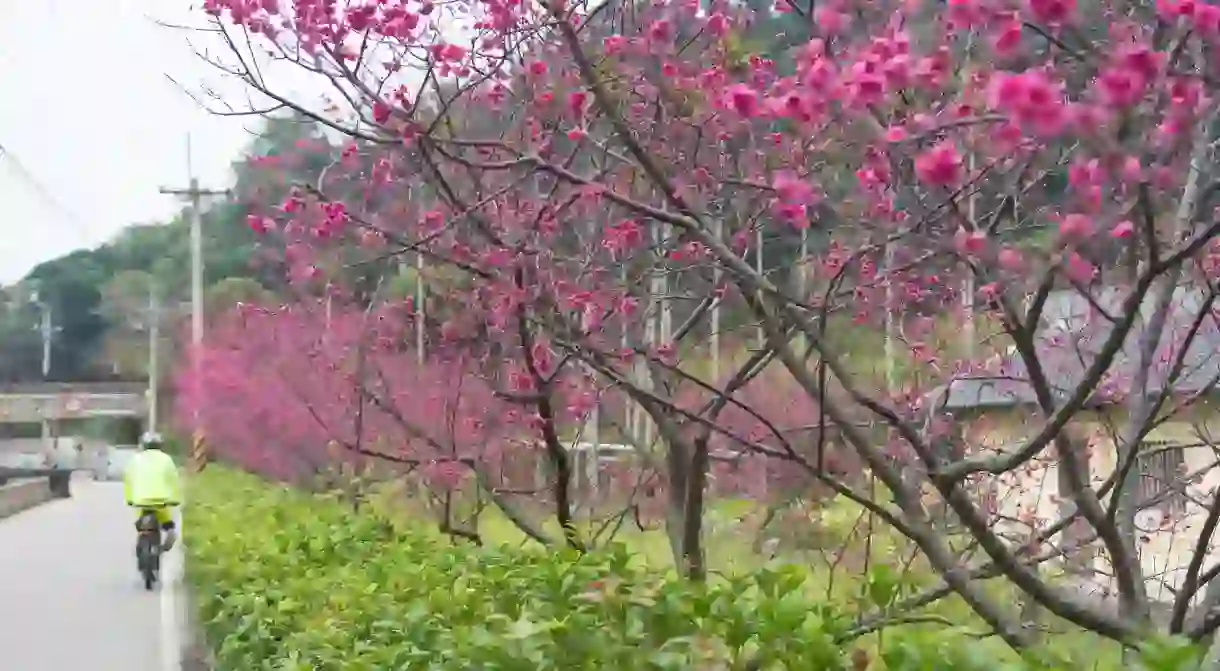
717, 276
761, 269
891, 323
802, 291
195, 195
592, 429
154, 338
629, 410
656, 332
329, 297
46, 329
420, 308
970, 349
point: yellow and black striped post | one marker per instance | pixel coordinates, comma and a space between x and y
198, 458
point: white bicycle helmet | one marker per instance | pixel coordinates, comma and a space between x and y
151, 439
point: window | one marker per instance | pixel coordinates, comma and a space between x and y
1161, 467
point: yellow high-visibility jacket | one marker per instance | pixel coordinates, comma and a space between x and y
151, 479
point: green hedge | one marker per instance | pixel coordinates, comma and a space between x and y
289, 581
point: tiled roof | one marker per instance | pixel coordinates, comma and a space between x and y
1070, 335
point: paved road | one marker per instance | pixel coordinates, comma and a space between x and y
70, 597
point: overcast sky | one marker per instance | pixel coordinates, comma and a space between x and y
88, 111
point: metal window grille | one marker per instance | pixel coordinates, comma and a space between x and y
1161, 483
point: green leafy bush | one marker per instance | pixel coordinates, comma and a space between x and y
289, 581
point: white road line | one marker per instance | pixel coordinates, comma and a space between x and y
171, 620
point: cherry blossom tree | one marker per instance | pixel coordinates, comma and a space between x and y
290, 390
617, 191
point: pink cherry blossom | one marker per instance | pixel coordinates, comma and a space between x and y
939, 166
579, 208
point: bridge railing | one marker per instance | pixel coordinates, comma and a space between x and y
24, 488
73, 388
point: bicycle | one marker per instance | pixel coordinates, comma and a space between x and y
148, 547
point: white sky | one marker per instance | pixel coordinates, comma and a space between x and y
89, 112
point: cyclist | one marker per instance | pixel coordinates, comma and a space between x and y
151, 482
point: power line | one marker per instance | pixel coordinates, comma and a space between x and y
42, 191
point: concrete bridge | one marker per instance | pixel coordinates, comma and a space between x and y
52, 401
53, 405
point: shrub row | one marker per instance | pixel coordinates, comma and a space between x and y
289, 581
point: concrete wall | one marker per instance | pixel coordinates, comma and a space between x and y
36, 407
37, 452
22, 495
103, 461
1031, 495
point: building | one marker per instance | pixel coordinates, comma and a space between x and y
1177, 458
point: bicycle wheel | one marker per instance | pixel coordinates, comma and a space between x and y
146, 553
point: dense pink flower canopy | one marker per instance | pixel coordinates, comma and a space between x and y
910, 146
278, 393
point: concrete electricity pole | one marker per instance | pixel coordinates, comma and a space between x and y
195, 195
46, 329
659, 327
154, 338
421, 306
717, 276
760, 269
420, 302
625, 341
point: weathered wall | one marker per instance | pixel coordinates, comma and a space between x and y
21, 495
1032, 494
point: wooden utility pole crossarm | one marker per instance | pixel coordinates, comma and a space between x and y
194, 190
195, 195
